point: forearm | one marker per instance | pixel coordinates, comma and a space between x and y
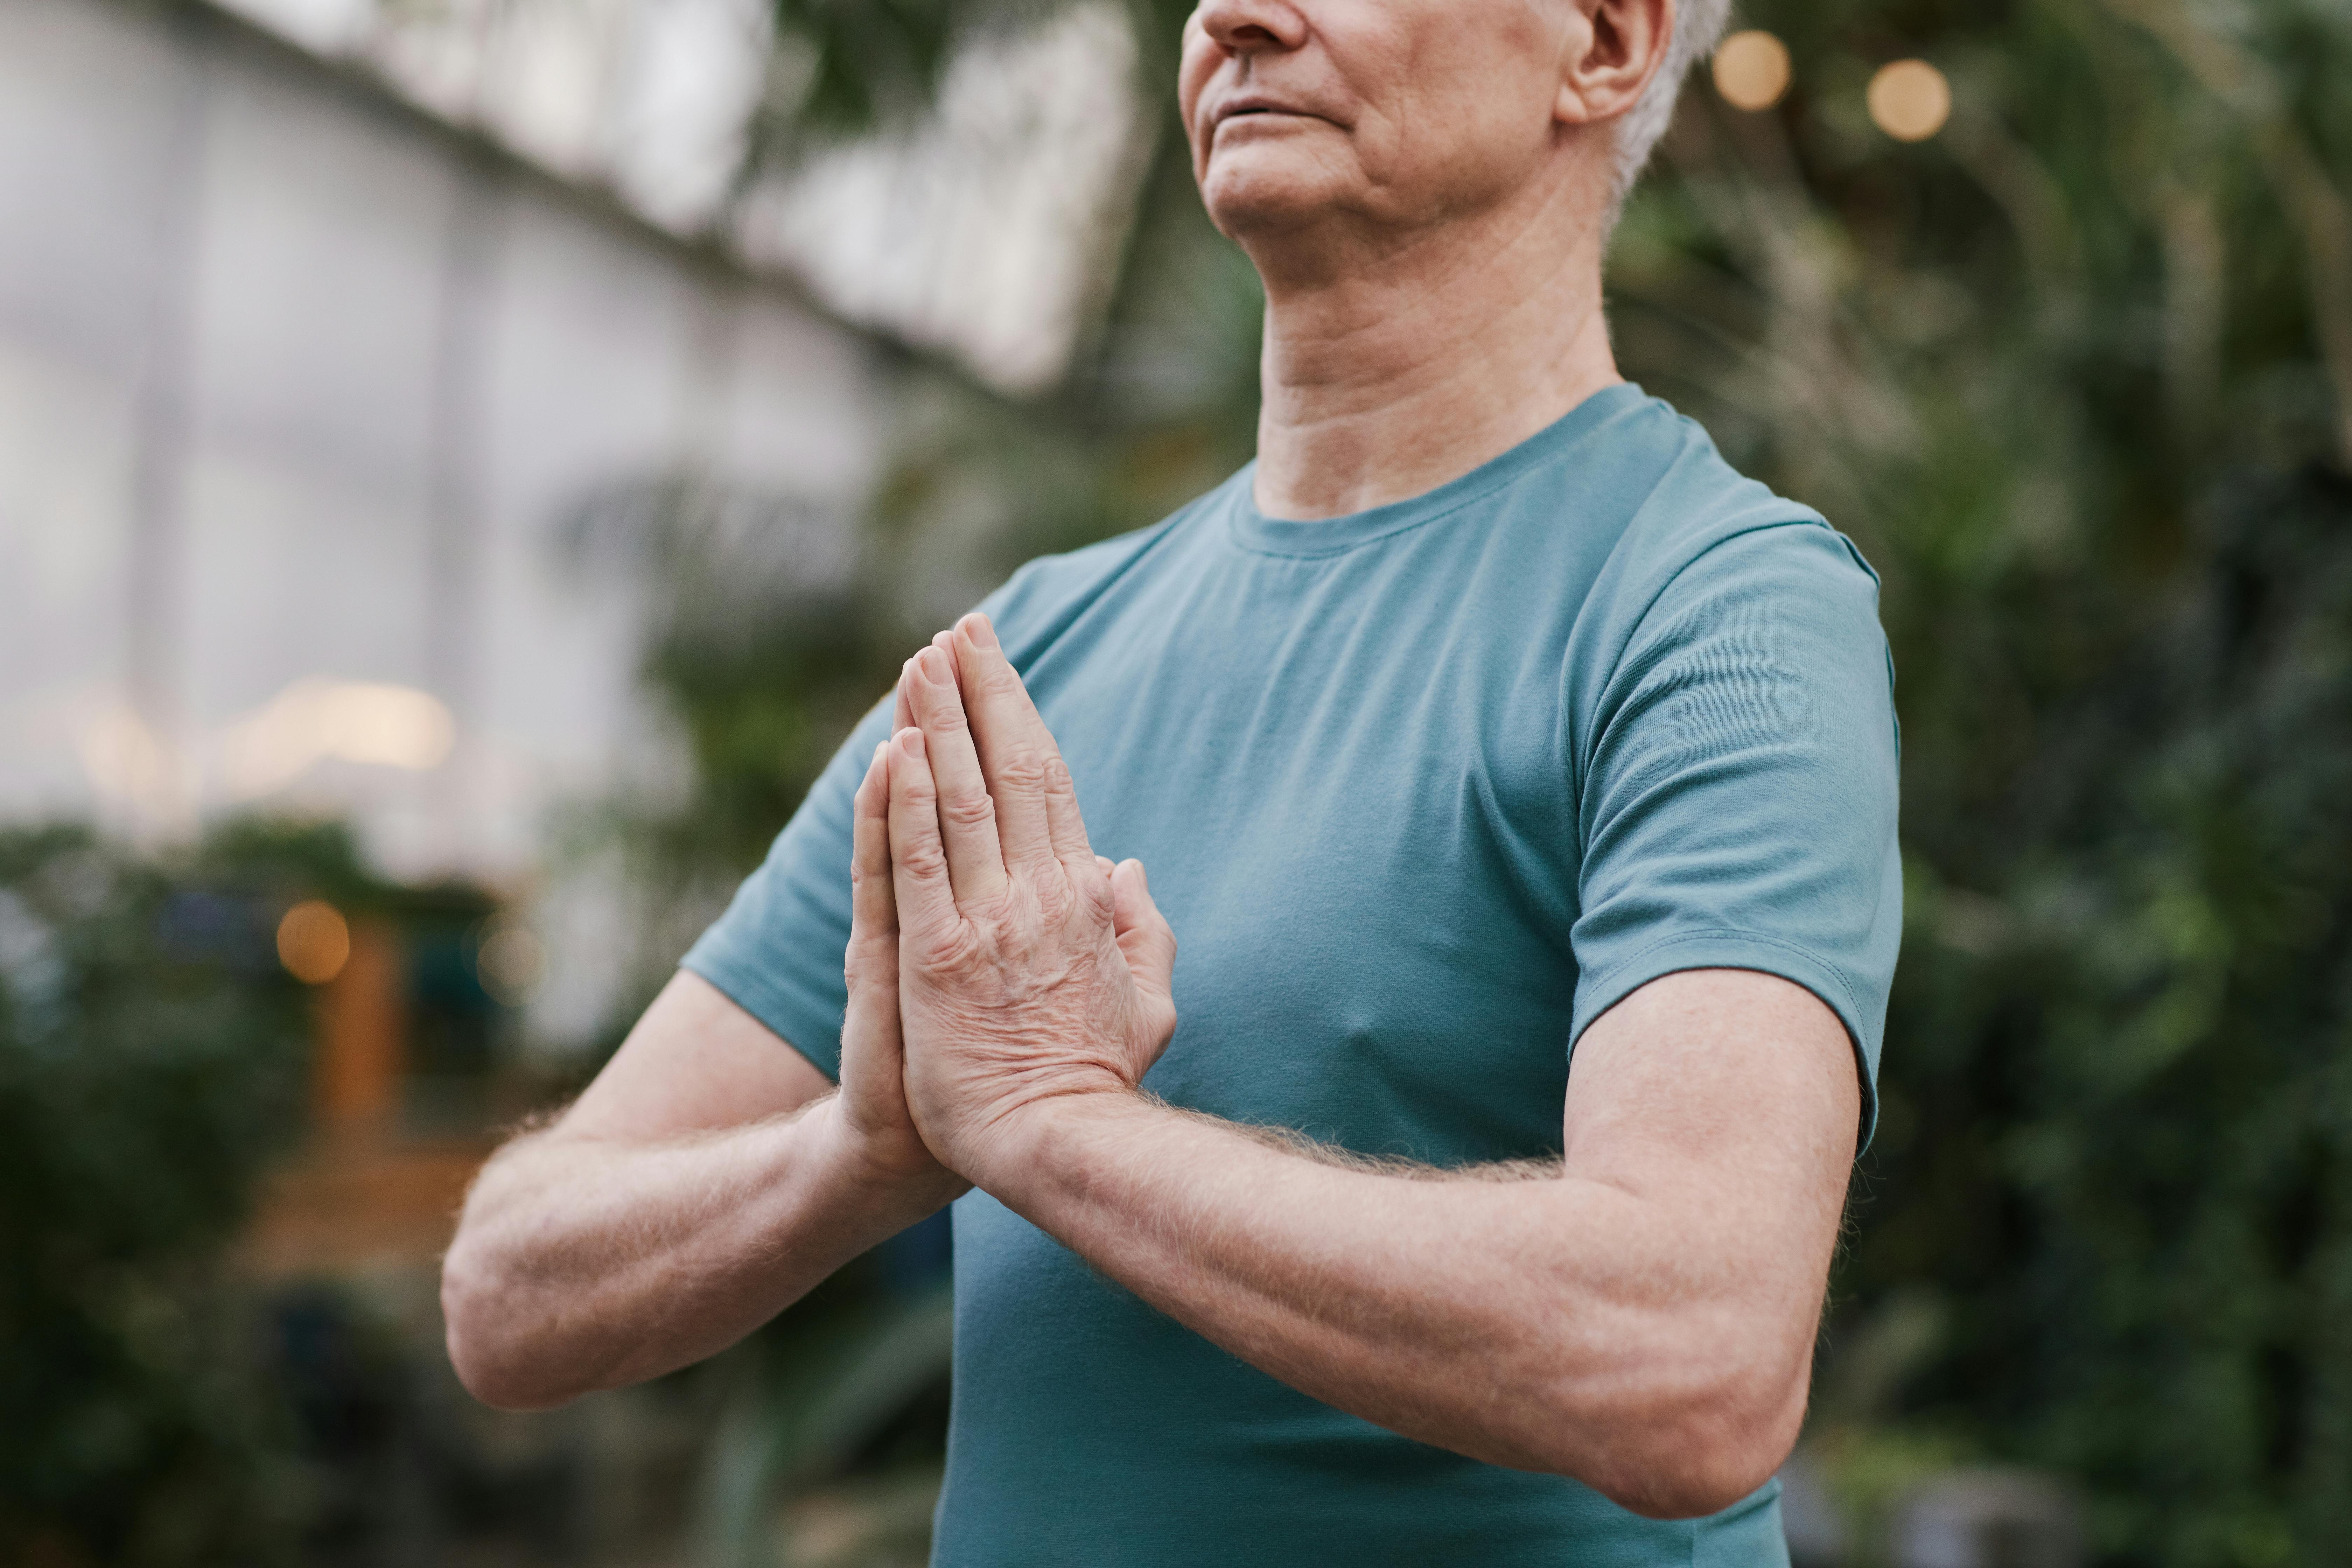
584, 1263
1537, 1319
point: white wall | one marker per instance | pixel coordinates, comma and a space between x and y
219, 257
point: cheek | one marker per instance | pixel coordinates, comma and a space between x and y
1446, 151
1193, 71
1454, 107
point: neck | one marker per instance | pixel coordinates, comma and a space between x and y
1402, 362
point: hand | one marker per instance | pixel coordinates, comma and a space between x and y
1029, 967
872, 1105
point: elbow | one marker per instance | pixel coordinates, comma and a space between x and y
485, 1350
1698, 1474
1693, 1447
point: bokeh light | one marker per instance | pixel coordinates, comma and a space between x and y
1909, 100
353, 722
1751, 69
314, 941
511, 964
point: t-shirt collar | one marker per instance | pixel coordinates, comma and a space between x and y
1332, 535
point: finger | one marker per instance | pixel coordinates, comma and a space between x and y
1144, 934
903, 714
967, 815
1037, 805
872, 911
919, 880
1065, 826
869, 1032
1015, 751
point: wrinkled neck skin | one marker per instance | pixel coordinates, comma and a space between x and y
1396, 358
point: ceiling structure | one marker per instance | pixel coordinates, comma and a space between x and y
981, 232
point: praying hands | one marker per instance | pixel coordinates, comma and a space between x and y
1027, 967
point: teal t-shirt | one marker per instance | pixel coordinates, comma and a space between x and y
1422, 791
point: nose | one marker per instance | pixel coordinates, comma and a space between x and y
1252, 27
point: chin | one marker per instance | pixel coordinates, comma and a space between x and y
1260, 195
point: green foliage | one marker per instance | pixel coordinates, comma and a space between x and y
2069, 370
848, 66
853, 1380
150, 1057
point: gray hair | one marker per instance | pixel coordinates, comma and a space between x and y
1699, 23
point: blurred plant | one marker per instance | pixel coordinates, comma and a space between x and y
150, 1064
846, 67
853, 1382
2074, 374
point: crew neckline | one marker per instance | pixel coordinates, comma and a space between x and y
1254, 530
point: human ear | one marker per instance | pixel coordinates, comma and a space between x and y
1613, 49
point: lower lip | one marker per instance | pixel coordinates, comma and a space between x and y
1261, 117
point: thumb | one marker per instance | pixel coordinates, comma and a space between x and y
1144, 934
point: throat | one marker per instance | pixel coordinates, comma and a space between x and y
1377, 389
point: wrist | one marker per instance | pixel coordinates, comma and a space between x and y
1054, 1143
873, 1175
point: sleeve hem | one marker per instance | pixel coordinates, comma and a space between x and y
789, 1018
1729, 949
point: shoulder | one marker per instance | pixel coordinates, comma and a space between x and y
1706, 530
1040, 601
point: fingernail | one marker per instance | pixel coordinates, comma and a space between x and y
934, 665
976, 627
910, 740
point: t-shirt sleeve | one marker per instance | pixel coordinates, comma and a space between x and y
1738, 792
777, 952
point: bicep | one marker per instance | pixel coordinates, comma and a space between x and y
695, 1063
1732, 1100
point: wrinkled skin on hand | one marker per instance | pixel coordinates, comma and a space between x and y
873, 1108
1029, 967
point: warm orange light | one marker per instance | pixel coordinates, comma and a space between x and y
1909, 100
314, 941
1751, 69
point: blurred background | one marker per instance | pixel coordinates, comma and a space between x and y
463, 464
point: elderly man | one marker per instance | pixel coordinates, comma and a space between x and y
1495, 750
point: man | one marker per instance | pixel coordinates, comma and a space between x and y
1488, 726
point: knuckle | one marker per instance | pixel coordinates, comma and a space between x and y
923, 857
869, 955
1024, 769
950, 951
998, 912
967, 810
1055, 898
